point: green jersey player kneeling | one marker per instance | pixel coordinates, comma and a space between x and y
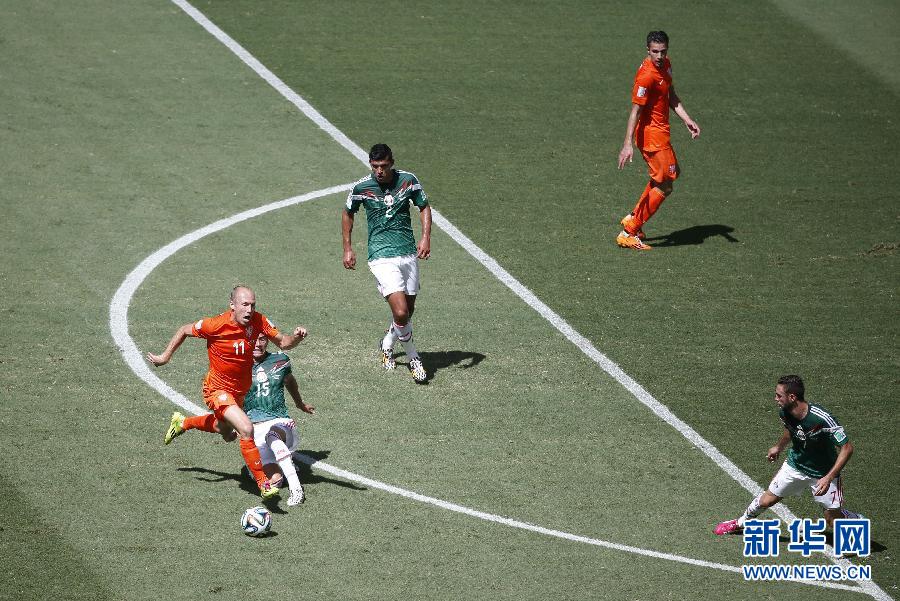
274, 432
387, 193
820, 450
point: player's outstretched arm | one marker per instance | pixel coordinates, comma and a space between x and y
179, 336
626, 155
839, 463
423, 250
346, 232
288, 341
780, 446
290, 382
678, 107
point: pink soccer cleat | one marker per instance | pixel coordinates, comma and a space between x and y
729, 527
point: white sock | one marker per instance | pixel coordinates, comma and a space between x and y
285, 462
390, 338
404, 335
751, 512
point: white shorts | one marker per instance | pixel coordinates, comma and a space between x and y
790, 482
396, 274
267, 431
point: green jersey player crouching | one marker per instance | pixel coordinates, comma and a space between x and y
819, 451
274, 432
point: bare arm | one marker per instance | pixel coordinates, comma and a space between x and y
780, 446
675, 103
839, 463
179, 337
346, 230
424, 246
288, 341
290, 382
627, 152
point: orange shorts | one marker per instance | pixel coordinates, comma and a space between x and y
662, 164
219, 400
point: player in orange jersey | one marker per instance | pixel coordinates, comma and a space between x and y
230, 338
652, 97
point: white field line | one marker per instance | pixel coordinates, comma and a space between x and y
118, 308
118, 325
513, 284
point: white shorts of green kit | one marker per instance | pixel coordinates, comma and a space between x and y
396, 274
791, 482
267, 431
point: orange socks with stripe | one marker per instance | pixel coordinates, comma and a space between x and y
640, 209
206, 422
647, 205
656, 199
253, 460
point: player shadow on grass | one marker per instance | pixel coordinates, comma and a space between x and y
696, 234
437, 360
248, 484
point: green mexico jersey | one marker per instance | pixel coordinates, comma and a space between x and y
816, 439
387, 213
265, 400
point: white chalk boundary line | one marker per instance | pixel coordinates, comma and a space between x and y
526, 295
118, 308
118, 324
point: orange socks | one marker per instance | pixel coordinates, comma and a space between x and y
641, 208
253, 460
656, 199
205, 422
647, 205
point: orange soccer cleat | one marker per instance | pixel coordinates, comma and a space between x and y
626, 240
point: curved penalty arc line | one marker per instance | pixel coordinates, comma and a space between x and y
606, 364
118, 324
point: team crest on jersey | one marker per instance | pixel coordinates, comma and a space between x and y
388, 200
261, 375
800, 433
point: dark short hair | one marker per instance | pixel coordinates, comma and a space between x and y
381, 152
793, 385
658, 37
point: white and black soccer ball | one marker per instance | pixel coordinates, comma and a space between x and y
256, 521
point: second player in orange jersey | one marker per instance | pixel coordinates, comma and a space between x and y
230, 338
652, 96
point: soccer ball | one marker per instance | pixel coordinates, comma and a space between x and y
256, 521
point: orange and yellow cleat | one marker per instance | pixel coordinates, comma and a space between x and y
626, 240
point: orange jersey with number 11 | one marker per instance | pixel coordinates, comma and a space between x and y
651, 90
230, 350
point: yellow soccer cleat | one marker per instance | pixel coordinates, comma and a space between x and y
176, 427
267, 490
626, 240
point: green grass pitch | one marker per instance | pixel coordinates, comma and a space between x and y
128, 126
